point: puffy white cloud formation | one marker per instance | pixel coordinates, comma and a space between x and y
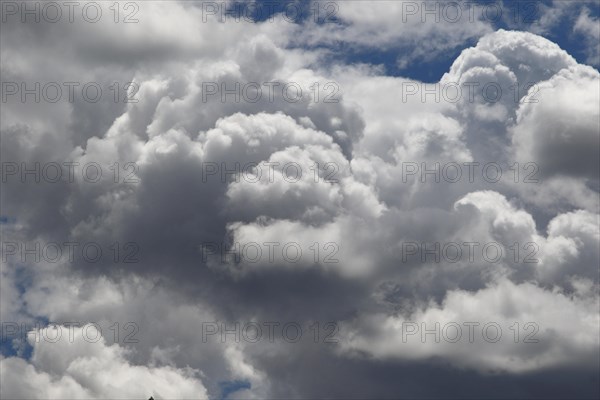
80, 367
559, 130
497, 329
358, 198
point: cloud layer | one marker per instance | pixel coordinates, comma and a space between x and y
316, 202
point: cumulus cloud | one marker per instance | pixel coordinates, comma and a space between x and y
416, 30
485, 330
300, 210
78, 366
589, 28
561, 124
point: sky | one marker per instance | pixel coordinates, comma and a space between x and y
300, 199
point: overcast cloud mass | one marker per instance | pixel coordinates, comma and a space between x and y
300, 199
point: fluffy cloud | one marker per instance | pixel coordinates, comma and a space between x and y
588, 27
420, 30
214, 172
561, 124
504, 328
76, 367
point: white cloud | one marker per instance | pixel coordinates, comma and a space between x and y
563, 329
84, 369
405, 25
589, 27
368, 211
